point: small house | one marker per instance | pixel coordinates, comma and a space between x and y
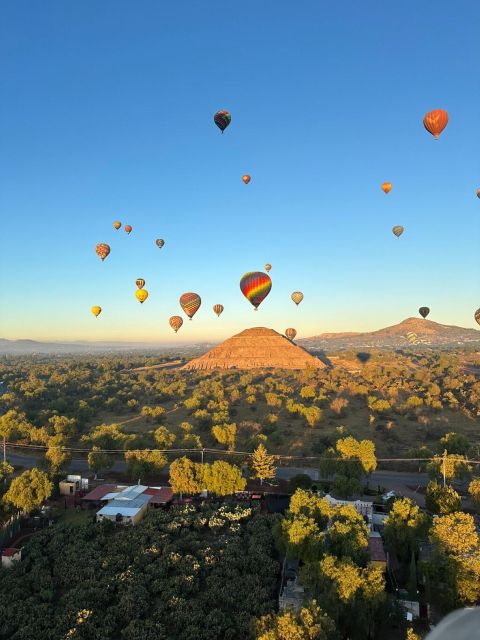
9, 556
377, 552
72, 485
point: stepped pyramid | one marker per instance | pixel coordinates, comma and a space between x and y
257, 348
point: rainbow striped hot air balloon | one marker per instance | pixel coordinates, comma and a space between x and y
222, 119
190, 303
255, 286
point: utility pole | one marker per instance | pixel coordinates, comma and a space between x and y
444, 464
203, 451
4, 449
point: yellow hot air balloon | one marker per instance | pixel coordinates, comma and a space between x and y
96, 311
268, 266
176, 322
297, 297
398, 230
218, 309
141, 295
386, 187
140, 282
117, 225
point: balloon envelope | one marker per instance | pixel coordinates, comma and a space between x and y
246, 179
297, 297
176, 322
424, 311
435, 122
268, 266
128, 228
222, 119
255, 286
477, 315
190, 303
159, 243
478, 193
102, 250
140, 282
117, 225
398, 230
141, 295
96, 311
290, 333
386, 187
218, 309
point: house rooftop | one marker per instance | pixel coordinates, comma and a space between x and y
9, 552
377, 552
100, 492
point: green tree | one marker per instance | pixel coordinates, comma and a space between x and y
412, 586
347, 534
263, 464
185, 476
405, 526
449, 466
442, 500
6, 470
142, 463
222, 478
225, 434
29, 490
455, 443
164, 438
57, 454
98, 460
474, 493
310, 623
300, 481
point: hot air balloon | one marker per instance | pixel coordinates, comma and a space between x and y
176, 322
246, 179
159, 243
255, 286
140, 282
477, 315
386, 187
117, 225
435, 122
222, 119
128, 228
290, 333
268, 266
478, 193
424, 311
96, 311
102, 250
190, 303
218, 309
297, 297
398, 230
363, 356
141, 295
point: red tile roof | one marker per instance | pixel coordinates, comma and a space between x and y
377, 552
159, 496
100, 491
10, 552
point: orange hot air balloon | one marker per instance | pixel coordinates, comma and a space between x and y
117, 225
128, 228
141, 295
176, 322
268, 266
435, 122
246, 179
96, 311
386, 187
102, 250
290, 333
140, 282
297, 297
190, 303
218, 309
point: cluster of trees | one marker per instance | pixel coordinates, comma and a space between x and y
203, 573
347, 464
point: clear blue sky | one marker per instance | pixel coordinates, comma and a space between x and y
107, 113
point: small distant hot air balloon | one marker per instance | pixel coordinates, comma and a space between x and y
297, 297
176, 322
102, 250
398, 230
159, 243
478, 193
141, 295
435, 122
117, 225
424, 311
246, 179
190, 303
218, 309
222, 119
128, 228
477, 315
255, 286
140, 282
96, 311
386, 187
290, 333
268, 266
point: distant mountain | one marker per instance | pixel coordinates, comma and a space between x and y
32, 347
427, 333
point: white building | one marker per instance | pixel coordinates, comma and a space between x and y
9, 556
364, 508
